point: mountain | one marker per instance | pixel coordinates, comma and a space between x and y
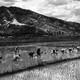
17, 22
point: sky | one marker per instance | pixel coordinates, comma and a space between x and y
68, 10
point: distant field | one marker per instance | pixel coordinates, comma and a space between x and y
54, 43
40, 40
48, 44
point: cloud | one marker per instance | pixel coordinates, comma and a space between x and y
68, 11
30, 4
5, 3
57, 2
9, 0
77, 12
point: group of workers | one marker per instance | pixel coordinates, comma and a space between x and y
17, 54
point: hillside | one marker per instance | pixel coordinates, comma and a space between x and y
17, 22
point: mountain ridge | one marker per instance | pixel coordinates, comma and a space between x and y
16, 21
